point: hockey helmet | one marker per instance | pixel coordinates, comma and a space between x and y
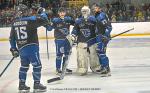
21, 10
85, 11
40, 10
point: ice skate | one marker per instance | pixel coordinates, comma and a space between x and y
95, 70
68, 71
23, 88
38, 88
105, 72
58, 71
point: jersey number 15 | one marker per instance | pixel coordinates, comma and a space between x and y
21, 33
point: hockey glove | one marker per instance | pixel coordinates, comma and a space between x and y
15, 52
105, 39
71, 39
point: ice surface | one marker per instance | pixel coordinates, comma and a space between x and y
129, 61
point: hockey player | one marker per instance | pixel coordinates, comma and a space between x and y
61, 25
104, 29
24, 34
84, 32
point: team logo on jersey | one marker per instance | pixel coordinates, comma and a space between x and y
90, 24
81, 25
65, 31
59, 25
86, 32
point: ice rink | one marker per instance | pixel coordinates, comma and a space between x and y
129, 62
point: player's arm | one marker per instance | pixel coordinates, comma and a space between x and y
104, 23
30, 18
12, 41
70, 20
104, 26
41, 18
74, 32
51, 25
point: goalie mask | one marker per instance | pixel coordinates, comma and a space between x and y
21, 10
85, 11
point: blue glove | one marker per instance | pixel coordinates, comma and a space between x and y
108, 31
106, 37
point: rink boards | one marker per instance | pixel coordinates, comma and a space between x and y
140, 29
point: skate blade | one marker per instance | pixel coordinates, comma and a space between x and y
24, 91
68, 72
39, 91
105, 75
58, 74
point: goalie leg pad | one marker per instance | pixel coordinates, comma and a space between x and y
82, 71
82, 59
94, 59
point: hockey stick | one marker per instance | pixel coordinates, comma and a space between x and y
7, 66
62, 74
47, 44
63, 70
122, 33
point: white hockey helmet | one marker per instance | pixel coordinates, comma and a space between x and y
85, 11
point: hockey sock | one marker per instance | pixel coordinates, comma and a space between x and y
37, 73
23, 73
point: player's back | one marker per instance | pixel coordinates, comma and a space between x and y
25, 32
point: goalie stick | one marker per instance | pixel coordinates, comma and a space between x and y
7, 66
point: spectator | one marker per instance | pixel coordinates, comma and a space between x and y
113, 17
140, 15
116, 11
